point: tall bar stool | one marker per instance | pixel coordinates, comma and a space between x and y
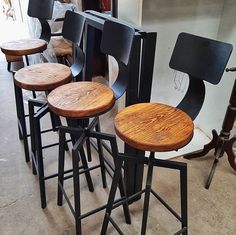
82, 100
156, 127
16, 50
46, 77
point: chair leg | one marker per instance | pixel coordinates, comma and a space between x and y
111, 197
39, 157
21, 120
184, 201
85, 166
76, 182
147, 195
9, 67
32, 136
125, 204
100, 154
61, 161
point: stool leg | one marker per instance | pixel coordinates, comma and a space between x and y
111, 198
32, 136
85, 166
125, 205
100, 154
21, 120
184, 201
147, 194
61, 166
88, 148
76, 182
39, 156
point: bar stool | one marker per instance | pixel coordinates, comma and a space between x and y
46, 77
16, 51
82, 100
152, 127
23, 47
156, 127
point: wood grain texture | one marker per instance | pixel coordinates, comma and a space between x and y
81, 99
43, 76
154, 127
24, 47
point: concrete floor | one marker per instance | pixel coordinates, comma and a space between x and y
211, 212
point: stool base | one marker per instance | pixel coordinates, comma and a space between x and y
151, 162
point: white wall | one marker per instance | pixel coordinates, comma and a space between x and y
209, 18
130, 10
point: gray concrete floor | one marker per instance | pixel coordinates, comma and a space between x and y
211, 212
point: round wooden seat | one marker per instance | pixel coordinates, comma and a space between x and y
43, 76
154, 127
24, 47
81, 99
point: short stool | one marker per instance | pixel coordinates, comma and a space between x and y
152, 127
40, 77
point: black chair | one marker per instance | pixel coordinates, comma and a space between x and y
82, 100
155, 127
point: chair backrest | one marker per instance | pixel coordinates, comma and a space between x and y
41, 9
72, 30
117, 41
73, 26
203, 59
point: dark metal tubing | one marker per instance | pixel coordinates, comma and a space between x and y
21, 120
151, 161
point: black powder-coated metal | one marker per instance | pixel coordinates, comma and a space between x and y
80, 137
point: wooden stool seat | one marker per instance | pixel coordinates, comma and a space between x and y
24, 47
81, 99
154, 127
43, 76
61, 47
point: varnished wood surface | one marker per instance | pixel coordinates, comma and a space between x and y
154, 127
61, 47
81, 99
24, 47
43, 76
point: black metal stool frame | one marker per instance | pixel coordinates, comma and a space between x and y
36, 142
82, 135
151, 162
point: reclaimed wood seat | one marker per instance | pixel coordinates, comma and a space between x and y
17, 49
23, 47
154, 127
42, 77
81, 100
